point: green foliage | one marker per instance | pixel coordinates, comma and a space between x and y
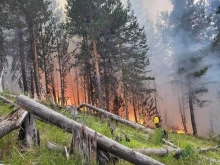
200, 72
157, 136
188, 151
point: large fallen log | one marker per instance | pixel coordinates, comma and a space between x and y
117, 118
69, 125
159, 151
12, 121
170, 150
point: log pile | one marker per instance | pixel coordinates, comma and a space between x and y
69, 125
86, 143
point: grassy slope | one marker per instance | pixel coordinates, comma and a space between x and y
10, 148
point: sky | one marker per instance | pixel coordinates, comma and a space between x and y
153, 6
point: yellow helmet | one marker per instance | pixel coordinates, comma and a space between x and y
156, 120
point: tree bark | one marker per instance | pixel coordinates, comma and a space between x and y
12, 121
190, 94
69, 125
118, 118
29, 131
98, 78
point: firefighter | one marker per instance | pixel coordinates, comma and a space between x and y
157, 121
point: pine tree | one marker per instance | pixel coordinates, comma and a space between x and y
89, 18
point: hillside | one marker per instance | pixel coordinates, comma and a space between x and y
12, 151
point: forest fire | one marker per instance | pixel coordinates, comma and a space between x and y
179, 131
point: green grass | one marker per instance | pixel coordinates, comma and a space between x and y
10, 148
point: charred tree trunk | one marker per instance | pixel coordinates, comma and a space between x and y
190, 95
69, 125
98, 77
22, 60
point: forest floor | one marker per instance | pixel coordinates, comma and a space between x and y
11, 150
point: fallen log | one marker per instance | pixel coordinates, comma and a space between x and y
159, 151
12, 121
203, 150
118, 118
69, 125
170, 150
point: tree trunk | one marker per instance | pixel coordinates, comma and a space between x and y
22, 60
69, 125
53, 89
29, 131
77, 87
98, 78
124, 85
190, 94
134, 107
106, 82
61, 75
32, 82
182, 115
36, 68
118, 118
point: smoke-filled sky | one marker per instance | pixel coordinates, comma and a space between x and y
153, 6
156, 6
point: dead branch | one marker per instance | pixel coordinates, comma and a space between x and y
11, 121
